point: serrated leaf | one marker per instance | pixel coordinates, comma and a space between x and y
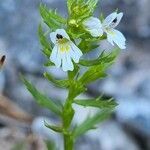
98, 102
58, 83
91, 122
105, 57
93, 73
47, 48
51, 18
98, 71
40, 98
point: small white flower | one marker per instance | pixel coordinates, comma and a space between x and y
96, 28
113, 35
64, 50
93, 26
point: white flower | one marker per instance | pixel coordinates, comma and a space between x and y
96, 28
113, 35
93, 26
64, 50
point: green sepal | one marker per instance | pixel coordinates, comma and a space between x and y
98, 103
40, 98
54, 128
47, 48
51, 18
91, 122
58, 83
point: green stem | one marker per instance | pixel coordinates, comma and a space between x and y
68, 142
68, 114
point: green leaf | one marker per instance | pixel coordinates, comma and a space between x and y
93, 62
81, 9
87, 46
51, 18
98, 66
47, 48
48, 63
98, 102
58, 83
93, 73
105, 57
54, 128
91, 122
41, 99
69, 5
51, 145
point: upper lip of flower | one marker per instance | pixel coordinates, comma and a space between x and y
112, 20
59, 36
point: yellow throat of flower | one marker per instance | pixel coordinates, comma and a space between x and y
64, 45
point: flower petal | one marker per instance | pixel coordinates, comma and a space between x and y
119, 17
56, 56
66, 62
63, 33
116, 37
109, 19
96, 32
94, 26
53, 37
58, 31
75, 52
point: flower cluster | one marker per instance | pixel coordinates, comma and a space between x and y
64, 50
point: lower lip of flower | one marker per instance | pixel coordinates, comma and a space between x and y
64, 47
107, 30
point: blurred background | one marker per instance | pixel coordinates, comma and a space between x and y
21, 119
